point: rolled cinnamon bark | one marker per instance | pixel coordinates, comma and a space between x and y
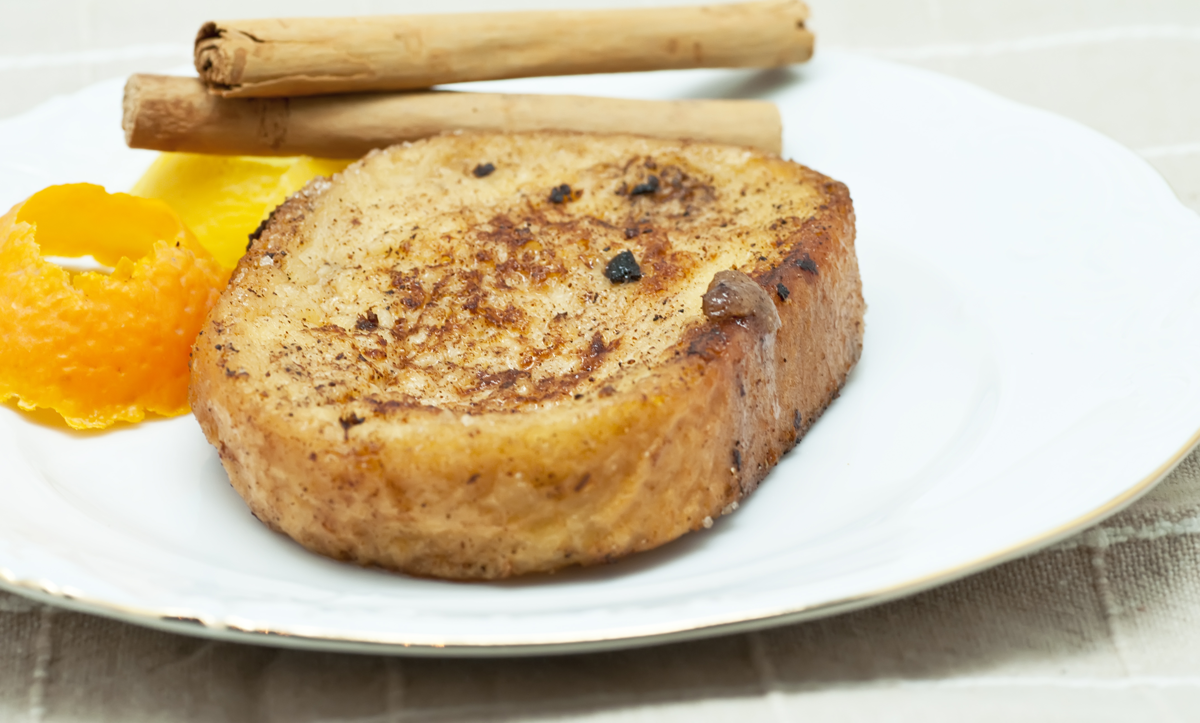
167, 113
310, 56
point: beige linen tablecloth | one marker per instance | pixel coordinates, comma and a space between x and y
1105, 626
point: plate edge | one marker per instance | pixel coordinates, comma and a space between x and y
248, 632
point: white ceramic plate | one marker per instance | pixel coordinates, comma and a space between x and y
1032, 363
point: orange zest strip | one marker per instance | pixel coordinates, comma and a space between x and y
100, 348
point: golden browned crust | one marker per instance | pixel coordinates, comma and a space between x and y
424, 367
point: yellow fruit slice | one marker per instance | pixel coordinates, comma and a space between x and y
100, 348
223, 199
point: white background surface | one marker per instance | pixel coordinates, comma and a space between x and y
1104, 627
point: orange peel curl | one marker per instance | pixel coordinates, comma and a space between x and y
100, 348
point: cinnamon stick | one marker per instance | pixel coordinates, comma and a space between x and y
310, 56
167, 113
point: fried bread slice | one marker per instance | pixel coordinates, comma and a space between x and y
484, 355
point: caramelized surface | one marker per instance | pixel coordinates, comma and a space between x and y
418, 281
